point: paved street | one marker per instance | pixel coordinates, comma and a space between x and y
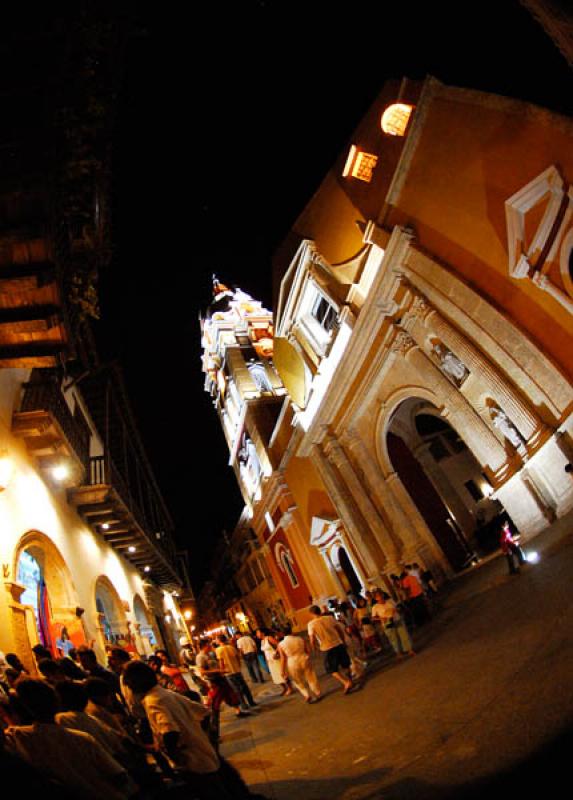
492, 683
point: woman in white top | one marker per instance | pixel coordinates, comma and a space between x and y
269, 646
296, 664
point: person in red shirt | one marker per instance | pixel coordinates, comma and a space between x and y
415, 598
511, 549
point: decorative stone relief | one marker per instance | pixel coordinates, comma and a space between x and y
402, 343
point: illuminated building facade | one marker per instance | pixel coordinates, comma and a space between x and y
423, 332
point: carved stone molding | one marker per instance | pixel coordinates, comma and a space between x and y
402, 343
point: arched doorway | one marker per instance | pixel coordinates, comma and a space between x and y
146, 632
49, 602
353, 582
445, 481
113, 624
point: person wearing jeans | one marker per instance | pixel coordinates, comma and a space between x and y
247, 646
230, 663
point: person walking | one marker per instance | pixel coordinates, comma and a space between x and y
269, 645
296, 664
247, 647
327, 634
511, 550
230, 662
386, 612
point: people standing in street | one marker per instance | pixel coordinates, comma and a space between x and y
511, 550
327, 634
391, 622
247, 646
415, 598
269, 645
297, 666
230, 663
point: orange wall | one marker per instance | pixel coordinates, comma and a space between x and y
470, 159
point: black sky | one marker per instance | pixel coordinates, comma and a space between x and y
228, 119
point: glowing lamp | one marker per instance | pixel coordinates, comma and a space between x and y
146, 569
60, 472
131, 549
188, 614
395, 119
105, 526
532, 557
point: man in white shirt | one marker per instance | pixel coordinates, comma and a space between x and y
248, 649
327, 634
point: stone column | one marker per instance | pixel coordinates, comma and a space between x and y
522, 415
402, 534
530, 482
364, 542
336, 453
478, 436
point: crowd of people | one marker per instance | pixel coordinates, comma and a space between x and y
149, 728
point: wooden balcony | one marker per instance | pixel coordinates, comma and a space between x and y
107, 505
51, 432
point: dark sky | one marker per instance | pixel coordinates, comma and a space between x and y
228, 120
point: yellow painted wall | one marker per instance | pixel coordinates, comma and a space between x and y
308, 491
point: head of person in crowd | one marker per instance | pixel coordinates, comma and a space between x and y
41, 652
100, 693
315, 611
72, 696
71, 669
87, 658
51, 671
117, 659
12, 676
38, 699
155, 663
162, 655
139, 677
381, 596
222, 639
13, 661
361, 602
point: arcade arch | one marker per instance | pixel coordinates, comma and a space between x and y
113, 625
146, 631
443, 479
47, 610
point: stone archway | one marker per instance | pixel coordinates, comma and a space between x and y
444, 480
113, 625
145, 632
44, 597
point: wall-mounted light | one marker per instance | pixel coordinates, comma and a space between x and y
105, 526
60, 472
6, 470
188, 614
131, 549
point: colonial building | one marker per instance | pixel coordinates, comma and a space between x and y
423, 333
86, 548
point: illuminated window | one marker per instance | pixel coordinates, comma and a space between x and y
359, 165
395, 119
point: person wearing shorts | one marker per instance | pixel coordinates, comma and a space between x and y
327, 634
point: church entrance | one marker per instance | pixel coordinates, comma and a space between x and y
348, 573
445, 481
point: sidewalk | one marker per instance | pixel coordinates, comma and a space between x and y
492, 683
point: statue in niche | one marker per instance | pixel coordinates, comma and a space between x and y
502, 422
450, 364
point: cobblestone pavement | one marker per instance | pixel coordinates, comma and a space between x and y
491, 684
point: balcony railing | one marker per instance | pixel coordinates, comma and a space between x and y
102, 471
46, 395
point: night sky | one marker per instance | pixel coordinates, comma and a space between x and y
228, 119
